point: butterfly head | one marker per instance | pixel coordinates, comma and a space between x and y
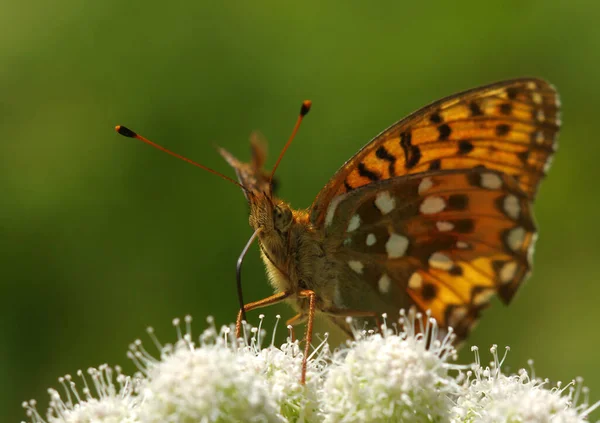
252, 176
273, 218
267, 212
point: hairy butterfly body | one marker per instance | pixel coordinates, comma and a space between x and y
434, 212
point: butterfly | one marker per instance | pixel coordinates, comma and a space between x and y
434, 212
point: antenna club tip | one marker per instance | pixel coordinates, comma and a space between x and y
126, 132
306, 104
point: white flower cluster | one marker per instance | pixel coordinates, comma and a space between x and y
405, 373
488, 396
116, 401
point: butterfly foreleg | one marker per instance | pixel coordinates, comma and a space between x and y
296, 320
312, 303
273, 299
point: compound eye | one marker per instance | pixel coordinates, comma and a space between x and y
278, 212
282, 217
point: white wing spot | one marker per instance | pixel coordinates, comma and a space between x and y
331, 209
384, 284
515, 238
415, 281
371, 239
384, 202
531, 249
425, 184
444, 226
396, 245
508, 271
539, 137
511, 206
440, 261
531, 86
491, 181
354, 223
432, 205
462, 245
537, 98
540, 116
483, 296
357, 266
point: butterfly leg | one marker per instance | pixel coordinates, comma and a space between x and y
296, 320
273, 299
312, 303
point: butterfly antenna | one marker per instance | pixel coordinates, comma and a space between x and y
303, 111
126, 132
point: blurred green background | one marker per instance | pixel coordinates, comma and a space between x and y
101, 236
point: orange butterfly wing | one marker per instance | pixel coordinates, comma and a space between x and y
443, 240
436, 210
508, 126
